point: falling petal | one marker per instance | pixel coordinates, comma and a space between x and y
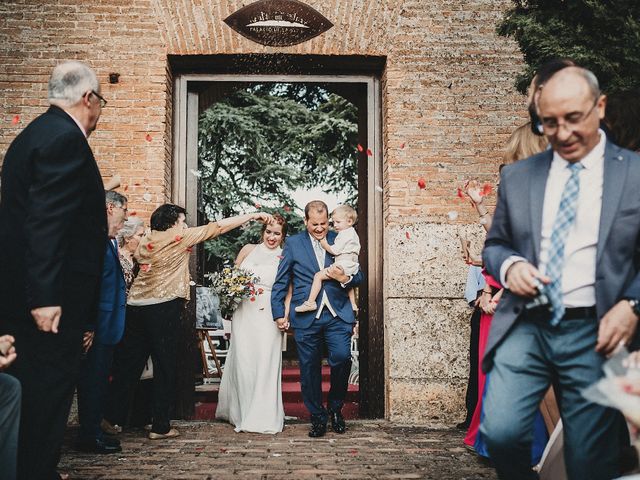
148, 138
369, 152
406, 234
189, 249
360, 148
133, 214
253, 299
486, 189
280, 257
196, 173
15, 120
149, 246
136, 184
422, 183
146, 197
192, 283
145, 267
353, 452
257, 205
402, 145
453, 215
286, 208
460, 194
125, 187
178, 238
379, 188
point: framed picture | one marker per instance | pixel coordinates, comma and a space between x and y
207, 309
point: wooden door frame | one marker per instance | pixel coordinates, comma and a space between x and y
185, 159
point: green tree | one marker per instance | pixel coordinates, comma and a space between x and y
262, 143
601, 35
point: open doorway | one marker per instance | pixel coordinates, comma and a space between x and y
197, 93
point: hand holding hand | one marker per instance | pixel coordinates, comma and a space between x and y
520, 279
283, 324
7, 351
616, 327
47, 318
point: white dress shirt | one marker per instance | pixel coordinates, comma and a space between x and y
579, 269
320, 256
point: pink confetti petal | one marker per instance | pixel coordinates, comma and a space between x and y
280, 257
460, 194
145, 267
402, 145
133, 214
178, 238
149, 246
369, 152
125, 187
257, 205
406, 234
189, 249
15, 120
422, 183
360, 148
148, 138
286, 208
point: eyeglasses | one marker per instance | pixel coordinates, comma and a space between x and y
103, 102
571, 121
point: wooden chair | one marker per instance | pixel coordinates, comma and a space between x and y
205, 336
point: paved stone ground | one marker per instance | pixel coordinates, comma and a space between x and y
212, 450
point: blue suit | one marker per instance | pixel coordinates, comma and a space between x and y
297, 267
109, 327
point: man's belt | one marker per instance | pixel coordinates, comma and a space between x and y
579, 313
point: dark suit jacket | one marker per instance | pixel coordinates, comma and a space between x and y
298, 266
53, 224
113, 299
517, 225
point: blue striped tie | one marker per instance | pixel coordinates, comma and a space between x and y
564, 220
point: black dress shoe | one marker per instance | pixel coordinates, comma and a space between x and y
318, 429
337, 422
105, 446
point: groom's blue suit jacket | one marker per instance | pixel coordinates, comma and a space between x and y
297, 266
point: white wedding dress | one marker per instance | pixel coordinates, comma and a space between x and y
250, 394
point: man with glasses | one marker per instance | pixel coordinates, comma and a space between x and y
101, 341
53, 230
563, 242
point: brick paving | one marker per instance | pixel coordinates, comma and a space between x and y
212, 450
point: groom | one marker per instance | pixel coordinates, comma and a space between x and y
332, 322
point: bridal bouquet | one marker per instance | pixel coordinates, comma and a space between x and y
232, 285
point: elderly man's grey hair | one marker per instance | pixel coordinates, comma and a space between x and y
69, 81
131, 226
115, 198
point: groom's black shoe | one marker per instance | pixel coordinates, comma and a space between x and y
337, 421
318, 427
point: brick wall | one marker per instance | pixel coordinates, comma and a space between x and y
448, 107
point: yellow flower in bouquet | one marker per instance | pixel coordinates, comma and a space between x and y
232, 285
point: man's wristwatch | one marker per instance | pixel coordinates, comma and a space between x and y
634, 303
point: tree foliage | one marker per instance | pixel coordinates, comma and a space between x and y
257, 146
601, 35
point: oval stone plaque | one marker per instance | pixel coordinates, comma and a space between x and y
278, 23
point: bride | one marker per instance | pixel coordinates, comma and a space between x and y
250, 394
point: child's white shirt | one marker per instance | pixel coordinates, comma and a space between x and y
346, 249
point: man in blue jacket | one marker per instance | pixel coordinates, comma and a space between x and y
333, 322
109, 327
